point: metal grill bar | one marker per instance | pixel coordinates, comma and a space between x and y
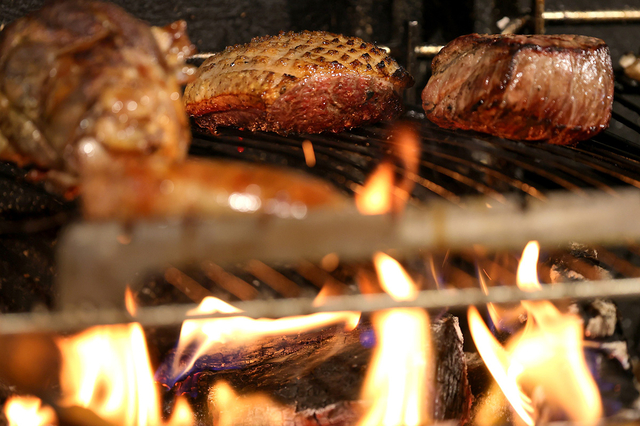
453, 163
596, 218
170, 315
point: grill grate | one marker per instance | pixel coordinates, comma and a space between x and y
454, 163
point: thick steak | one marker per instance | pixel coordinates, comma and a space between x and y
305, 82
557, 88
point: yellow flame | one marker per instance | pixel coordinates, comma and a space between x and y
28, 411
493, 312
375, 196
546, 356
107, 370
397, 381
229, 409
208, 334
502, 316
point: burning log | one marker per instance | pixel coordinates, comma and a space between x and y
316, 377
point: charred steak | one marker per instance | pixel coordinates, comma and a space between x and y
557, 88
305, 82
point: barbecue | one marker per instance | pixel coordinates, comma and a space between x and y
473, 201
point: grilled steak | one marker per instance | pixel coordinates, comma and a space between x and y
557, 87
305, 82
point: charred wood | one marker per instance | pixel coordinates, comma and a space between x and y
606, 347
319, 375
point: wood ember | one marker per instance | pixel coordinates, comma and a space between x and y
318, 376
453, 392
606, 352
606, 348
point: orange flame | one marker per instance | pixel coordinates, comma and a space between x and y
29, 411
229, 409
397, 381
375, 196
107, 370
384, 191
210, 333
546, 357
130, 301
501, 316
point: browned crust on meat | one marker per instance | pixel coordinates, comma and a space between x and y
321, 103
556, 88
268, 69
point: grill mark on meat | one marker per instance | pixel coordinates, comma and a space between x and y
555, 88
349, 85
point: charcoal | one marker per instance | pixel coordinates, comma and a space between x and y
311, 372
607, 355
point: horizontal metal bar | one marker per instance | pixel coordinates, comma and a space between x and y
171, 315
95, 262
591, 15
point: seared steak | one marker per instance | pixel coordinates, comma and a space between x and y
557, 88
305, 82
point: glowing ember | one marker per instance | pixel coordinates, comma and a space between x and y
28, 411
207, 335
545, 359
309, 153
397, 381
107, 370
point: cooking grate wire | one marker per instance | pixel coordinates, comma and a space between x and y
453, 163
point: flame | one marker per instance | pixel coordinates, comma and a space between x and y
502, 317
546, 358
375, 196
107, 370
130, 301
28, 411
229, 409
397, 381
207, 334
388, 187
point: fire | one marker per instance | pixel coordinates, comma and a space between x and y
397, 381
206, 335
29, 411
503, 318
384, 191
228, 408
107, 370
544, 364
375, 196
130, 301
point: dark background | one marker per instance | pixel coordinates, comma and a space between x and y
214, 24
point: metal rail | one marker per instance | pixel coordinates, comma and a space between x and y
171, 315
89, 251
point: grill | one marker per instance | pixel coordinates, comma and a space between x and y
481, 183
454, 164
